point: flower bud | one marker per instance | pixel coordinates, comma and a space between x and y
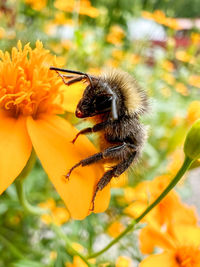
192, 142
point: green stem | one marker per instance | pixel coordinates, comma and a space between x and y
186, 164
69, 246
24, 202
11, 247
19, 183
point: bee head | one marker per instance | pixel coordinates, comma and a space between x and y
93, 102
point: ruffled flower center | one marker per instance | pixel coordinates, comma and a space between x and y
187, 257
27, 86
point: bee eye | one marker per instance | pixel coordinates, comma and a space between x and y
102, 102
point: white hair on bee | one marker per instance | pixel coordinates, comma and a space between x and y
135, 99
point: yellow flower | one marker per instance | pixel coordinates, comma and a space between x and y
159, 17
146, 192
115, 35
195, 38
77, 262
176, 160
57, 215
183, 56
115, 229
123, 261
83, 7
167, 65
194, 80
37, 5
193, 112
181, 247
2, 33
169, 78
181, 88
30, 101
147, 15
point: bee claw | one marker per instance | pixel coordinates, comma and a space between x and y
73, 141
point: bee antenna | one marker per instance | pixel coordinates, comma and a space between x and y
74, 72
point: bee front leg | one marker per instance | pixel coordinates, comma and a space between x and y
95, 128
84, 131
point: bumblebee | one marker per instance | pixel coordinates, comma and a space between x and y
115, 101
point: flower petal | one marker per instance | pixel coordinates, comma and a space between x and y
15, 148
51, 137
72, 95
186, 234
150, 237
166, 259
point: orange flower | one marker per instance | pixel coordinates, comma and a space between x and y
2, 33
58, 215
30, 99
115, 35
183, 56
194, 80
163, 213
195, 38
115, 229
37, 5
159, 17
193, 112
181, 247
182, 89
83, 7
123, 261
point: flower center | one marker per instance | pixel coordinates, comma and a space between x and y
187, 256
27, 86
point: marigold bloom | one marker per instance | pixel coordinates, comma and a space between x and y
123, 261
58, 215
115, 229
83, 8
146, 192
182, 89
181, 247
194, 80
37, 5
159, 17
193, 112
115, 35
30, 99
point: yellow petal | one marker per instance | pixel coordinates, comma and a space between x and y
186, 234
51, 137
15, 149
165, 259
72, 94
150, 237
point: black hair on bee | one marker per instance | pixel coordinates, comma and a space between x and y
116, 101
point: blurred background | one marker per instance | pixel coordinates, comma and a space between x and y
158, 42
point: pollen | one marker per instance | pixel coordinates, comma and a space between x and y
27, 86
187, 256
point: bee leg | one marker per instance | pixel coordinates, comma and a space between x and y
107, 153
95, 128
94, 158
114, 172
73, 80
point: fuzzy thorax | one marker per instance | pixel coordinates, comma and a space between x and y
135, 99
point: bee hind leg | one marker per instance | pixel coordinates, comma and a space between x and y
107, 153
114, 172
